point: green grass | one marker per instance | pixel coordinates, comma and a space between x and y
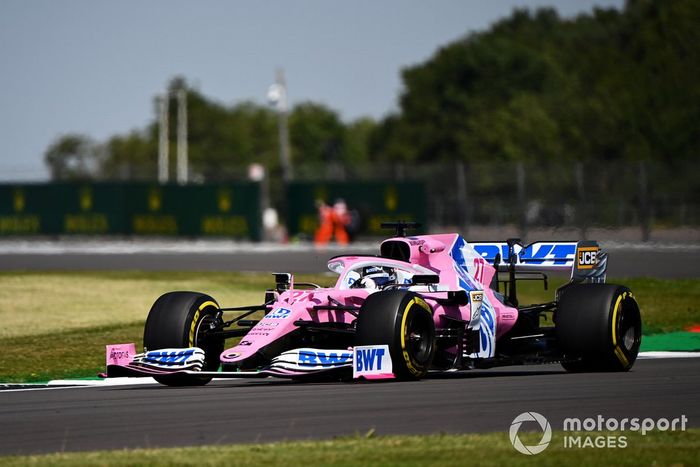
666, 305
56, 325
35, 303
75, 353
654, 449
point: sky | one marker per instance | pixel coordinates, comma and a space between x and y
93, 67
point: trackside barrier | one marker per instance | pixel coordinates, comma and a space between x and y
374, 202
219, 210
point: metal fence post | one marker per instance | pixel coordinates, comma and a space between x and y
581, 211
461, 198
644, 214
520, 181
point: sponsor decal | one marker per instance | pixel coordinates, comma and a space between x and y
175, 357
460, 265
267, 325
278, 313
476, 297
371, 360
171, 359
263, 328
120, 354
548, 253
540, 253
587, 257
321, 358
372, 270
487, 330
487, 318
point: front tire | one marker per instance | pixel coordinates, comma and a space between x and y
403, 321
178, 320
598, 327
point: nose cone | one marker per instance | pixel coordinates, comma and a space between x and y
278, 322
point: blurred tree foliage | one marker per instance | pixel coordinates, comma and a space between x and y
611, 85
614, 85
72, 157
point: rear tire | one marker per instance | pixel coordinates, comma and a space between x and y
177, 320
599, 327
403, 321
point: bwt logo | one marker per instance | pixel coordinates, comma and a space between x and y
366, 359
170, 357
587, 257
279, 313
307, 358
372, 361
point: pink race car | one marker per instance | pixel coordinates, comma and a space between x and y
425, 303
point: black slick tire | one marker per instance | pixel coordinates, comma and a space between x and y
177, 320
403, 321
598, 327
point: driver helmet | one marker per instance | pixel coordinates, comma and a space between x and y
378, 276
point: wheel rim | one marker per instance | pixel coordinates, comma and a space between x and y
206, 343
200, 336
628, 339
629, 327
419, 337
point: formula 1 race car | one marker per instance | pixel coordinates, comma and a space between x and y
425, 303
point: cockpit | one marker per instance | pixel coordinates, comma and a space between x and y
374, 273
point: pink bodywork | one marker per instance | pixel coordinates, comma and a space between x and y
429, 254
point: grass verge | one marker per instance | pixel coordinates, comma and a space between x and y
48, 302
656, 448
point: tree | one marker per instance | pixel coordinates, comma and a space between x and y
71, 157
356, 141
130, 157
316, 134
612, 85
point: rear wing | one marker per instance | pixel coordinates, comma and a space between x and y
586, 261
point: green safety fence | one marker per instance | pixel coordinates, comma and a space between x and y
221, 210
372, 203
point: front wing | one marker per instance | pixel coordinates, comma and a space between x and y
296, 363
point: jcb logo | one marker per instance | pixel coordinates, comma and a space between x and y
587, 257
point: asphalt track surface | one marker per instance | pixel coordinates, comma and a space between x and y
632, 262
236, 411
244, 411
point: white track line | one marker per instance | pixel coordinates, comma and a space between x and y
668, 354
125, 381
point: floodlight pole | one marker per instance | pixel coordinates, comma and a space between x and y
163, 169
182, 160
277, 95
